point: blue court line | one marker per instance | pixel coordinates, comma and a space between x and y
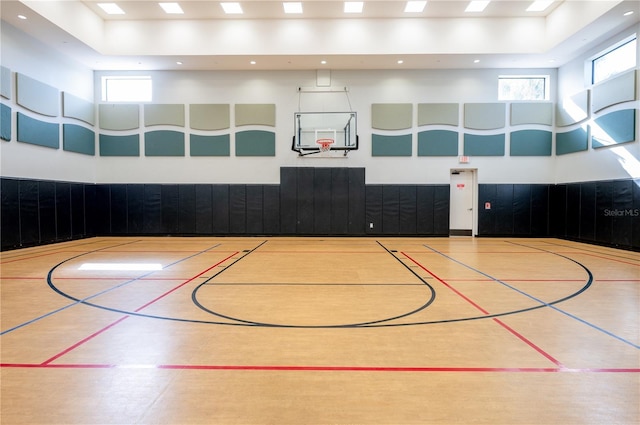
101, 292
537, 299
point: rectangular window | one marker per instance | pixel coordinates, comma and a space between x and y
126, 89
523, 87
614, 61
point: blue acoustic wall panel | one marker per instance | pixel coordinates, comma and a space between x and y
36, 132
255, 143
210, 145
391, 116
614, 128
80, 109
438, 113
164, 143
391, 145
119, 116
164, 114
530, 143
119, 145
209, 116
5, 122
484, 145
78, 139
532, 113
438, 143
573, 109
37, 97
572, 141
484, 116
255, 114
616, 90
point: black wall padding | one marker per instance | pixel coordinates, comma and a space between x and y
237, 209
10, 213
118, 204
515, 210
135, 209
588, 212
558, 210
63, 211
29, 217
373, 209
255, 209
390, 210
357, 201
271, 209
304, 205
186, 209
170, 197
101, 218
47, 205
203, 209
77, 210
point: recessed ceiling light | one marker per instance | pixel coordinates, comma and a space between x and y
539, 5
415, 6
353, 6
477, 6
171, 8
252, 62
232, 8
323, 62
628, 13
22, 17
400, 62
178, 63
476, 61
292, 7
111, 8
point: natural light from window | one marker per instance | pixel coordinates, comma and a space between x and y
614, 61
126, 89
523, 87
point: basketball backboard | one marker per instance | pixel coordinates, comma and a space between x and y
314, 130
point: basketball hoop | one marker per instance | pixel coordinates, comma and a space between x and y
325, 144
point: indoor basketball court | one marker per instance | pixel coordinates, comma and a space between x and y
320, 330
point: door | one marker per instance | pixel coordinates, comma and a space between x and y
462, 214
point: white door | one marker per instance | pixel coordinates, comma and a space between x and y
461, 215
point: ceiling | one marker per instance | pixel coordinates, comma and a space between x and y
383, 36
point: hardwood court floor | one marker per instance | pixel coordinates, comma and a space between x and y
320, 331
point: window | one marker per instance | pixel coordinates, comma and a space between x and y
126, 89
614, 61
523, 87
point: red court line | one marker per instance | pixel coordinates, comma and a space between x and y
321, 368
504, 325
82, 341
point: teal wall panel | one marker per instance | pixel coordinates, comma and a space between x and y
5, 122
391, 116
36, 132
80, 109
119, 116
5, 82
532, 113
616, 90
210, 116
438, 113
120, 145
484, 116
572, 141
573, 109
484, 145
438, 143
37, 97
531, 143
256, 114
255, 143
78, 139
164, 143
614, 128
164, 114
391, 145
210, 145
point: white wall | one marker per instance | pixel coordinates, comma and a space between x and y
23, 54
617, 162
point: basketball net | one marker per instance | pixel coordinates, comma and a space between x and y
325, 144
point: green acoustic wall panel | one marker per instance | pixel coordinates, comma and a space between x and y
164, 143
5, 122
532, 113
119, 116
484, 145
391, 145
531, 143
255, 143
119, 145
210, 145
209, 116
614, 128
438, 113
80, 109
573, 109
616, 90
255, 114
164, 114
572, 141
5, 82
438, 143
38, 132
78, 139
484, 116
391, 116
37, 97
